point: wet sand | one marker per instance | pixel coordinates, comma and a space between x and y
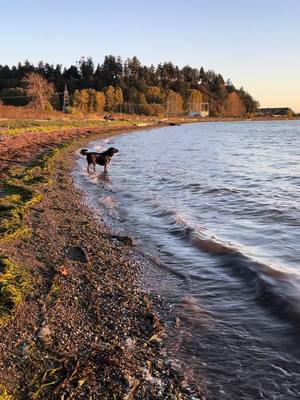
84, 329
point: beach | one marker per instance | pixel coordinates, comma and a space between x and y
89, 311
76, 324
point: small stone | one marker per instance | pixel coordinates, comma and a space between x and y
78, 253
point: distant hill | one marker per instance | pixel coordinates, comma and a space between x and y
132, 87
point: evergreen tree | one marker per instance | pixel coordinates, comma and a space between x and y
86, 67
14, 97
111, 71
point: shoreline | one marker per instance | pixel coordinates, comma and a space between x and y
83, 327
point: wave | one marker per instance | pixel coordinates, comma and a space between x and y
274, 286
108, 202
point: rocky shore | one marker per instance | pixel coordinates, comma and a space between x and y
73, 322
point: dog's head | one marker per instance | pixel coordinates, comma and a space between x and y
111, 151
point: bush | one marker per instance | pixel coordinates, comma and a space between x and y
48, 107
16, 97
72, 111
158, 109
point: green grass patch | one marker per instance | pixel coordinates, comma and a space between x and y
16, 127
4, 394
20, 192
13, 284
13, 205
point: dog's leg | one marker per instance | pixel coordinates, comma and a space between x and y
105, 169
88, 168
94, 167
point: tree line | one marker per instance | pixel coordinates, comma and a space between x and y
128, 86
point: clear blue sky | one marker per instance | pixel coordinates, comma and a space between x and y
254, 43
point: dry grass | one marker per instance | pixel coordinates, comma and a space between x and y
20, 126
12, 112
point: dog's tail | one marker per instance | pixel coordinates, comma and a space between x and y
83, 151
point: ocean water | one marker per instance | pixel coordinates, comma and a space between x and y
215, 208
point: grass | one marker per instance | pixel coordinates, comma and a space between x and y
19, 193
19, 126
13, 284
48, 384
17, 199
4, 394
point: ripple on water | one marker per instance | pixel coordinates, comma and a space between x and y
216, 206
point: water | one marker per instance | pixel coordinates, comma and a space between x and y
216, 207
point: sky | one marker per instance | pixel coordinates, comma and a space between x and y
253, 43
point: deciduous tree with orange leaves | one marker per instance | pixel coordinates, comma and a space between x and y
39, 90
234, 106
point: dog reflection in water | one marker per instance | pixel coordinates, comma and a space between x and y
103, 158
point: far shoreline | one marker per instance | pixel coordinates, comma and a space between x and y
239, 119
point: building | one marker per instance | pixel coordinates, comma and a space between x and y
200, 110
279, 111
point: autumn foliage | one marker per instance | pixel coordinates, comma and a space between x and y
234, 106
39, 91
89, 100
123, 86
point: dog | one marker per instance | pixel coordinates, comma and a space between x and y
99, 158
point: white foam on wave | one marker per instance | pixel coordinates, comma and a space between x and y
99, 148
92, 177
109, 203
207, 242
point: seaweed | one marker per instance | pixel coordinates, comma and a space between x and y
4, 394
13, 284
20, 192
